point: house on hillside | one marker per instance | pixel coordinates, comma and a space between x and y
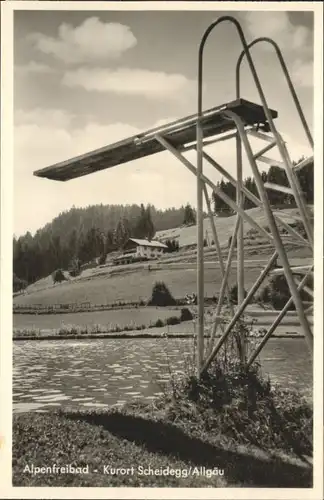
140, 249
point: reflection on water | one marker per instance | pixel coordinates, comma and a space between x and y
100, 373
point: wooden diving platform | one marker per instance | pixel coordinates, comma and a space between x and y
179, 133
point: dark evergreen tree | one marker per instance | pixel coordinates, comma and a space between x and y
122, 233
144, 227
189, 215
140, 226
73, 244
110, 242
150, 231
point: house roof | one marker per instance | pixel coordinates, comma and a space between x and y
146, 243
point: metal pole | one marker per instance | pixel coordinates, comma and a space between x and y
288, 80
224, 284
200, 248
240, 310
218, 248
293, 181
276, 323
215, 236
274, 230
240, 235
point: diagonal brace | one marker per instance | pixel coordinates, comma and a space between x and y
217, 190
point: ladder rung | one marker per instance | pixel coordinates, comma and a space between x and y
303, 163
308, 290
294, 269
270, 161
287, 214
264, 150
277, 187
260, 135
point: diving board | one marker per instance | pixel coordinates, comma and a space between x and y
214, 122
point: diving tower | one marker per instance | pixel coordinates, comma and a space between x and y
237, 120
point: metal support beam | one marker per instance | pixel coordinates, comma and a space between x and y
255, 199
304, 163
216, 240
276, 322
277, 187
223, 285
265, 149
274, 230
208, 142
240, 234
217, 190
200, 248
294, 269
240, 310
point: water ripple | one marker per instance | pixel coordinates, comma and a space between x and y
110, 372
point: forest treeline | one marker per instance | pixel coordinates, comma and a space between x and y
275, 175
80, 235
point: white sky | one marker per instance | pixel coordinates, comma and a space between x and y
87, 79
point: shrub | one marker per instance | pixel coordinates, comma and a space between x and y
58, 276
280, 293
159, 323
75, 268
247, 408
161, 295
205, 243
234, 294
18, 284
74, 272
173, 246
265, 295
102, 259
186, 314
173, 320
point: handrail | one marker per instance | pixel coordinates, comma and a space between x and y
294, 183
287, 76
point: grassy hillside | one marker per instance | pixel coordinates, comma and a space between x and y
134, 283
224, 225
128, 287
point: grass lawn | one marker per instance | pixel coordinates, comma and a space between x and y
134, 286
121, 439
110, 318
95, 441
